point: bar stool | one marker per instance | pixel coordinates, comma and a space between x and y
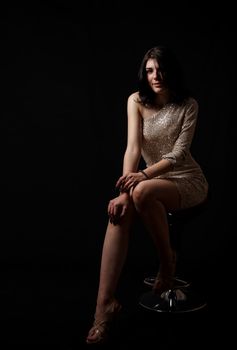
181, 297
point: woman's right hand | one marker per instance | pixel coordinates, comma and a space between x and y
117, 207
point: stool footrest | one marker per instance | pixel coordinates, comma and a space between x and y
178, 283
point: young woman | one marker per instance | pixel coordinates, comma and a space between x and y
161, 123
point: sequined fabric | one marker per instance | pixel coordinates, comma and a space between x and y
168, 134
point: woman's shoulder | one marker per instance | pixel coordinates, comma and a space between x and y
191, 102
134, 104
134, 101
134, 96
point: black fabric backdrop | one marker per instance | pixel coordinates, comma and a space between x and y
66, 73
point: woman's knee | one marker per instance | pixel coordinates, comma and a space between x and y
141, 197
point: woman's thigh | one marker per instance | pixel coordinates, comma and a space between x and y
163, 190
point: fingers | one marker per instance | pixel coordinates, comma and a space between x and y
116, 212
110, 211
120, 181
123, 211
113, 213
128, 183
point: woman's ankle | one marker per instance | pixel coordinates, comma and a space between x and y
103, 303
168, 268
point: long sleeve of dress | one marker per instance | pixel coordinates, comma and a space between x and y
182, 144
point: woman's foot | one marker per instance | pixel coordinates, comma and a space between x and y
166, 276
102, 323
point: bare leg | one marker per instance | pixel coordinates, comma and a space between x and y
114, 253
152, 200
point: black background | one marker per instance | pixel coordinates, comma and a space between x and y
66, 73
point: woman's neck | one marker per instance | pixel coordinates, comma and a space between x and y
161, 100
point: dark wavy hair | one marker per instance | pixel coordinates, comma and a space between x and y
172, 73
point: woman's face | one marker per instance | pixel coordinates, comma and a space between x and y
155, 77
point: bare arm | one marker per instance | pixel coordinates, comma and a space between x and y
118, 206
134, 135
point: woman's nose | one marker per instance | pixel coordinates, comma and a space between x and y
158, 76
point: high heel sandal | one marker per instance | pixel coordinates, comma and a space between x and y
100, 330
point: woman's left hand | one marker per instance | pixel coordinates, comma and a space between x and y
129, 180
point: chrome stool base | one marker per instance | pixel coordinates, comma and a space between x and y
175, 300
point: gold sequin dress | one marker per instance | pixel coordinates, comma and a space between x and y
168, 134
